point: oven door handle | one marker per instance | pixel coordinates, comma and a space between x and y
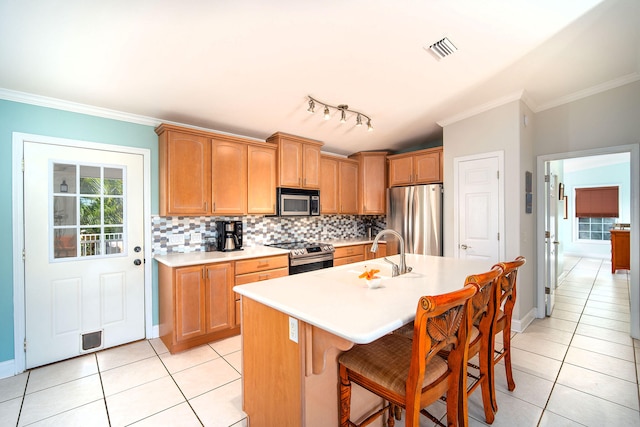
310, 260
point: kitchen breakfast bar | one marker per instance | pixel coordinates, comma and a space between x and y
295, 327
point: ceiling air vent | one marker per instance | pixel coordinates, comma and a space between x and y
442, 48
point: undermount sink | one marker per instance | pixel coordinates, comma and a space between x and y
350, 275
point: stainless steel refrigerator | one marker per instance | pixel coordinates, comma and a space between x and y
416, 213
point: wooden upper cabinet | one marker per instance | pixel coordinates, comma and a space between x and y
328, 185
261, 180
185, 173
348, 186
206, 173
229, 170
417, 167
372, 182
310, 166
298, 161
338, 185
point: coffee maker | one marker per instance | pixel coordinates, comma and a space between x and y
229, 235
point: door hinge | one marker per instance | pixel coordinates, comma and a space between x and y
547, 234
24, 255
24, 344
498, 236
23, 164
547, 291
547, 178
498, 174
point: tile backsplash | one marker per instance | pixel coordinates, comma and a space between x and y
258, 230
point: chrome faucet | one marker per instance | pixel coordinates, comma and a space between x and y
395, 269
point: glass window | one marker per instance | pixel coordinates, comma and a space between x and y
595, 228
88, 222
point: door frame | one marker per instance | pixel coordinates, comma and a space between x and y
456, 195
634, 285
19, 323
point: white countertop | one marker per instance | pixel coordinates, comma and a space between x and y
195, 258
337, 301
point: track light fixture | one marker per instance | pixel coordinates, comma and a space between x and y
343, 109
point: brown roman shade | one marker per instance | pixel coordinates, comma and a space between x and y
597, 202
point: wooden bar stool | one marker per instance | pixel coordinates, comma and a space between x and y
409, 373
480, 338
504, 300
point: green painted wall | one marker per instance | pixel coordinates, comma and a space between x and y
18, 117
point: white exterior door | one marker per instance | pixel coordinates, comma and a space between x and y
551, 240
478, 209
84, 236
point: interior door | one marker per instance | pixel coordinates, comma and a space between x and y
84, 234
551, 242
479, 209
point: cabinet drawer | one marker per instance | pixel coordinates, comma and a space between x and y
347, 260
243, 279
260, 264
345, 251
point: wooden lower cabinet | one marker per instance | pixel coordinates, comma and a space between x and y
620, 247
256, 270
197, 304
356, 253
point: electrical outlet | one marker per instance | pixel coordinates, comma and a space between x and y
293, 329
196, 237
176, 239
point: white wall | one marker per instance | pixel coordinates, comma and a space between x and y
501, 129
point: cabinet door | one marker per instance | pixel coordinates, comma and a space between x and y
261, 180
348, 187
185, 174
220, 307
427, 167
328, 186
290, 163
190, 302
311, 166
400, 171
373, 185
229, 178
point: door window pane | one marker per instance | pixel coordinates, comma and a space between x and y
88, 222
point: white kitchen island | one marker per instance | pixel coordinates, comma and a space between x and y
326, 311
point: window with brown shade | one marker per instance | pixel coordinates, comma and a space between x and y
597, 202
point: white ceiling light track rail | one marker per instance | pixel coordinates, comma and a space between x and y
343, 109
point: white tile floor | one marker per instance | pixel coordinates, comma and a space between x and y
577, 367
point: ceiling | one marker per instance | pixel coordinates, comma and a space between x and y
246, 67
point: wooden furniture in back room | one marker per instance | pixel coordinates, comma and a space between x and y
620, 257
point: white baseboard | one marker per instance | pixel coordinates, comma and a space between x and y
519, 325
155, 332
7, 369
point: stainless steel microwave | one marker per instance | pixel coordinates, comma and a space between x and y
298, 202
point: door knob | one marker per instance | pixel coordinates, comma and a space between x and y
137, 249
137, 262
465, 247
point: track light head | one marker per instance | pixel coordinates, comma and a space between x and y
369, 126
312, 106
359, 120
327, 116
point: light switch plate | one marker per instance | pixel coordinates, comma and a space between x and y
196, 237
176, 239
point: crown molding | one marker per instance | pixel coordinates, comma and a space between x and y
516, 96
593, 90
74, 107
534, 106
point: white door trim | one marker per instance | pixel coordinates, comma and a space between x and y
18, 231
634, 288
456, 191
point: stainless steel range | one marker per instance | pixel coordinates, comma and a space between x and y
307, 256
